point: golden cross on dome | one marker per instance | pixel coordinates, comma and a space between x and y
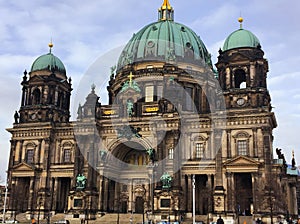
130, 79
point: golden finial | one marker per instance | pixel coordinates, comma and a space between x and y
166, 5
240, 19
50, 45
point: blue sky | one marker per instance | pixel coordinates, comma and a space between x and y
84, 33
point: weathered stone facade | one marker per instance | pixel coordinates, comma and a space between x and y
165, 115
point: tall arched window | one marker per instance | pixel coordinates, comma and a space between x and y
67, 152
29, 156
240, 79
36, 96
242, 143
171, 153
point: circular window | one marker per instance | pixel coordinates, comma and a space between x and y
150, 43
240, 101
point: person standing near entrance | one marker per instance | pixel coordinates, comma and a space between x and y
220, 220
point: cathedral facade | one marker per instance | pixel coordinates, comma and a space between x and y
178, 136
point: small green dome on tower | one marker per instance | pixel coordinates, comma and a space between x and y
241, 38
48, 62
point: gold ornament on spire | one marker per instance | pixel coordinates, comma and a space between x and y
50, 45
166, 5
241, 20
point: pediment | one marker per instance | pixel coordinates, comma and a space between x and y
23, 167
241, 161
36, 78
239, 57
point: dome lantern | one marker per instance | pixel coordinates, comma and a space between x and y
166, 12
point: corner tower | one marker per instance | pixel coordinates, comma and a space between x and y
46, 93
243, 71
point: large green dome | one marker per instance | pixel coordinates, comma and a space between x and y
48, 62
241, 38
165, 40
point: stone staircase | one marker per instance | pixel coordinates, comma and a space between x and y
123, 218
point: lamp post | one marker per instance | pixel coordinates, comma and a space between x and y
194, 203
39, 211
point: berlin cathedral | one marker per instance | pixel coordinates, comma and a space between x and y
179, 139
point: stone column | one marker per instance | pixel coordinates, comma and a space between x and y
31, 193
183, 201
255, 151
190, 193
229, 154
105, 194
230, 192
101, 193
210, 191
254, 191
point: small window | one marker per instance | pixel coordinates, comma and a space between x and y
77, 203
159, 92
67, 155
165, 203
149, 92
29, 156
171, 153
199, 151
242, 147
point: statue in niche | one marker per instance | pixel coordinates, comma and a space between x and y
103, 155
129, 108
150, 153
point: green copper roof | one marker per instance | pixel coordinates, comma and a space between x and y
48, 62
165, 40
241, 38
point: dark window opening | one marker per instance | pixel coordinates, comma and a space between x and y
240, 79
165, 203
36, 97
29, 156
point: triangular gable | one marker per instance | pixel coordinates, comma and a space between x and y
36, 78
239, 57
242, 164
23, 169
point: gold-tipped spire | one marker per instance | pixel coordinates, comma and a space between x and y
50, 45
166, 12
241, 20
166, 5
